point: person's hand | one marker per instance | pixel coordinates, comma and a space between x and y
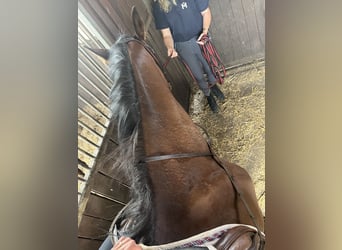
172, 53
200, 37
125, 243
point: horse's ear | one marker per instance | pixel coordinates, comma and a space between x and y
104, 53
138, 23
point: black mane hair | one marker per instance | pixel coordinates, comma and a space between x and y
135, 220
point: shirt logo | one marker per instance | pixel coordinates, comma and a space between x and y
184, 5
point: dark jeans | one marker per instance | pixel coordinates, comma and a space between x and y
191, 54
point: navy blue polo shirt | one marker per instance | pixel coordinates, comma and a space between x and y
184, 19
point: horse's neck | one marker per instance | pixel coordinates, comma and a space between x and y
167, 128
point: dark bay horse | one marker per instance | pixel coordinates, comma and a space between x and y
179, 188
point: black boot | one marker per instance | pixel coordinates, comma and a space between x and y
212, 103
217, 92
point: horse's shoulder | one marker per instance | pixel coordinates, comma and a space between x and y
241, 177
236, 170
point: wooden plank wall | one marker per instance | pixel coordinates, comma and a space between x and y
238, 30
105, 196
93, 113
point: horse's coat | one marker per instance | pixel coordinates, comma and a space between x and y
175, 198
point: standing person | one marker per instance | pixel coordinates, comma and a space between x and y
182, 24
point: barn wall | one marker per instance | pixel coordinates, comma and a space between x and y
101, 194
93, 112
238, 30
105, 196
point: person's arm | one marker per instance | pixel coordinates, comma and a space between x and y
206, 23
206, 20
169, 43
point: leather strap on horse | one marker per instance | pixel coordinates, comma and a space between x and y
178, 156
173, 156
210, 54
250, 213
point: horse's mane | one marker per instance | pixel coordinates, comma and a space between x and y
136, 219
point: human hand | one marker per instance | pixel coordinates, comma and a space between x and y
200, 37
172, 53
125, 243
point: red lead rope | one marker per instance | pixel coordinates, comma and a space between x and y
210, 54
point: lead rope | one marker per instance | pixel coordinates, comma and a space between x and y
211, 55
